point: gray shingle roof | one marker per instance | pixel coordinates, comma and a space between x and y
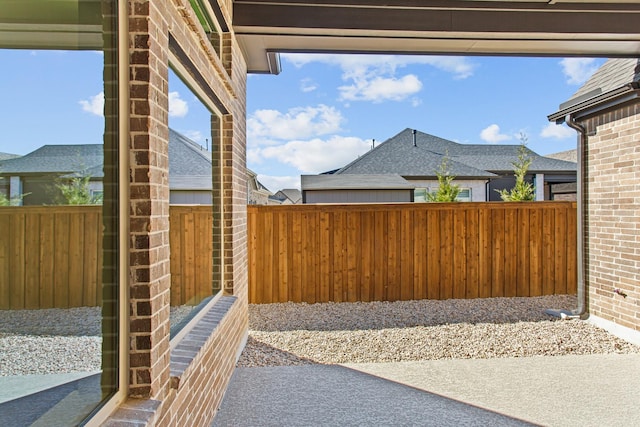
7, 156
398, 155
55, 159
355, 182
187, 161
569, 155
292, 194
187, 158
613, 74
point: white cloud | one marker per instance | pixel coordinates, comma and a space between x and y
276, 183
263, 126
492, 134
314, 156
380, 89
194, 135
308, 85
375, 78
178, 107
459, 66
94, 105
578, 70
555, 131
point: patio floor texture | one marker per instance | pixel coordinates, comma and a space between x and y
589, 390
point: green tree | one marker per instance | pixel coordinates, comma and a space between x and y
75, 191
522, 191
447, 190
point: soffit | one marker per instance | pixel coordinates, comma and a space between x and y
468, 27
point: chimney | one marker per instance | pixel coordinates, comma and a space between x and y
414, 137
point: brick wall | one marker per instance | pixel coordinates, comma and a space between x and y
182, 386
613, 212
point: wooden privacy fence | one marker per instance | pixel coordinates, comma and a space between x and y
319, 253
51, 256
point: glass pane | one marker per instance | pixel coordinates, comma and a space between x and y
420, 195
190, 195
58, 210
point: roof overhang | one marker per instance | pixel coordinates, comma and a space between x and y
587, 107
464, 27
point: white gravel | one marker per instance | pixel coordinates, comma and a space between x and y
55, 341
295, 334
61, 341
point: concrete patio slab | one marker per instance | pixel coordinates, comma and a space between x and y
594, 390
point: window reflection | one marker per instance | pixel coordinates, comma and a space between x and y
190, 195
58, 210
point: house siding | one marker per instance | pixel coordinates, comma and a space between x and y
358, 196
612, 234
478, 188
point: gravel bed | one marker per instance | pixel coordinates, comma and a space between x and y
296, 334
54, 341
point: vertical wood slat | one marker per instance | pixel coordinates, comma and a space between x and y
436, 251
5, 262
32, 263
344, 253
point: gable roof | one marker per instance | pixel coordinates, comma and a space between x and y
569, 155
56, 159
355, 182
189, 163
187, 158
399, 155
614, 73
616, 81
7, 156
292, 194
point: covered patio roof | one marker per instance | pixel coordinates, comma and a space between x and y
466, 27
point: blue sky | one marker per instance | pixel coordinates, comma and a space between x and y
320, 113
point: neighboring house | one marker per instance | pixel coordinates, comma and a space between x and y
357, 188
564, 191
288, 196
190, 179
4, 182
257, 194
480, 169
606, 113
35, 174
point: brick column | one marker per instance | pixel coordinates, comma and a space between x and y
149, 206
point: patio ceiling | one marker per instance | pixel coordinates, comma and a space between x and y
467, 27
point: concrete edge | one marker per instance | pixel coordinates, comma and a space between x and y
623, 332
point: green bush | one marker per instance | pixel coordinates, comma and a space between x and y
522, 191
447, 190
76, 191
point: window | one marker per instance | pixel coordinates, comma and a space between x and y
420, 194
59, 280
204, 13
464, 195
191, 140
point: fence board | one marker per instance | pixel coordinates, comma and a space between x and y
314, 253
5, 263
437, 251
46, 268
32, 262
433, 254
